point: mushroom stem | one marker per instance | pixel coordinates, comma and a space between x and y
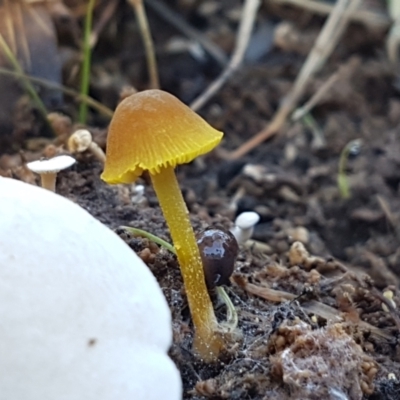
207, 341
48, 180
97, 151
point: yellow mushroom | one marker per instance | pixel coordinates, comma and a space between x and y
154, 131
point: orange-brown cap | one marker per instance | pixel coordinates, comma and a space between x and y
151, 130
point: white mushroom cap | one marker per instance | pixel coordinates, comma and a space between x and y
139, 189
79, 141
244, 226
82, 317
51, 165
247, 220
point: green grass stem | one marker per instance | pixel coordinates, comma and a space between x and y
94, 104
342, 179
231, 315
87, 55
148, 235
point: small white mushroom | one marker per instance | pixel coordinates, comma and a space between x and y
82, 317
82, 140
48, 169
392, 376
139, 197
244, 226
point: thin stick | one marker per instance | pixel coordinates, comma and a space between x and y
9, 26
393, 38
179, 23
393, 221
314, 307
365, 16
323, 47
96, 105
249, 13
105, 17
147, 41
316, 98
87, 53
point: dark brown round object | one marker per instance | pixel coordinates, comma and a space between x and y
218, 251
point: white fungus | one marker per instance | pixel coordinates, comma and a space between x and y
244, 226
48, 169
82, 317
81, 140
139, 195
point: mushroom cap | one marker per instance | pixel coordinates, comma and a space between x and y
82, 317
54, 164
79, 141
247, 219
151, 130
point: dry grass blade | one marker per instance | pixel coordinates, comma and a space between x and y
8, 21
244, 33
96, 105
175, 20
393, 38
392, 219
14, 31
370, 18
13, 15
329, 313
312, 307
277, 296
316, 98
102, 21
327, 40
147, 41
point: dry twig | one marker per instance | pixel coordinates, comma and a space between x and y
96, 105
368, 17
103, 20
316, 98
393, 38
392, 219
168, 15
147, 42
328, 38
249, 13
312, 307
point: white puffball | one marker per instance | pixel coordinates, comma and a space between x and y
81, 316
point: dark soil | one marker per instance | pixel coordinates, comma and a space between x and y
311, 326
